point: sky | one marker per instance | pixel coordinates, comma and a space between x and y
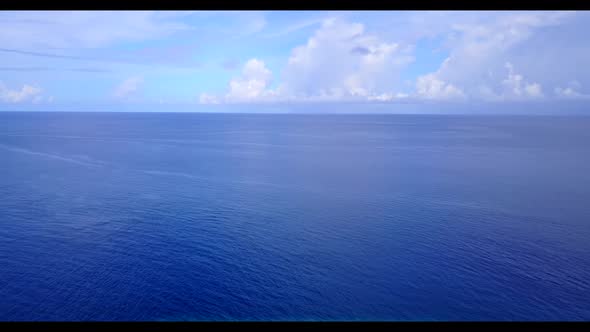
196, 58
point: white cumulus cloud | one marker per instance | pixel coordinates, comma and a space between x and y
499, 56
28, 93
341, 61
431, 87
344, 61
480, 53
516, 87
252, 83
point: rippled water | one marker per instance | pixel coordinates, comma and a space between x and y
138, 216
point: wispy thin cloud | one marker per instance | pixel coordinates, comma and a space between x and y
38, 69
128, 87
145, 58
41, 54
27, 21
90, 70
24, 69
294, 27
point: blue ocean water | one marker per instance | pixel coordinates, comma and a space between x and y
143, 216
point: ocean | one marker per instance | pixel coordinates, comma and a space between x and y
178, 216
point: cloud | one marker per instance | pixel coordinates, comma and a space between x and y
89, 70
344, 61
91, 36
533, 90
228, 24
255, 25
512, 87
24, 69
482, 51
180, 53
341, 61
86, 29
430, 87
176, 56
294, 27
571, 91
128, 87
363, 57
208, 99
38, 69
254, 80
252, 83
28, 93
516, 87
388, 97
43, 54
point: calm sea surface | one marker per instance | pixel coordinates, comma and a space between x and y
139, 216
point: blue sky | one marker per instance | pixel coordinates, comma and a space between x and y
192, 58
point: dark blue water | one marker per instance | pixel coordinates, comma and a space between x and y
122, 216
